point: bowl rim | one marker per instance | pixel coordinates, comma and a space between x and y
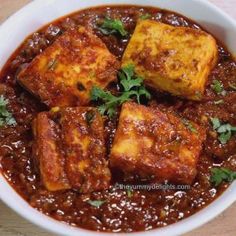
227, 198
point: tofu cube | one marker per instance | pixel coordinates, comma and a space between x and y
177, 60
64, 73
70, 148
155, 145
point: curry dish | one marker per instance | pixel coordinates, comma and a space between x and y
119, 119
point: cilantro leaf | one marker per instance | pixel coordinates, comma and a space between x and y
216, 123
225, 137
224, 130
96, 203
217, 86
6, 117
132, 83
112, 26
145, 16
132, 86
143, 92
218, 175
126, 75
111, 101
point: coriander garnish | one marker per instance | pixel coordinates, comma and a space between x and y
112, 26
96, 203
6, 117
145, 16
132, 88
218, 175
217, 86
224, 130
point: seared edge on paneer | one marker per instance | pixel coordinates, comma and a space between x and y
156, 145
69, 145
174, 59
64, 73
48, 153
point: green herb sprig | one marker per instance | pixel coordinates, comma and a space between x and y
6, 117
132, 88
145, 16
225, 131
218, 87
112, 26
219, 175
96, 203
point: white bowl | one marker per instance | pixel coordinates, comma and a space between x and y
37, 14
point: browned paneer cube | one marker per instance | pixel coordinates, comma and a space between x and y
70, 148
64, 73
174, 59
156, 145
84, 145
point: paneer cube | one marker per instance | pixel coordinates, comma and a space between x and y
48, 154
70, 148
177, 60
84, 145
64, 73
155, 145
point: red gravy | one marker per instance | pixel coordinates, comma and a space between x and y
144, 210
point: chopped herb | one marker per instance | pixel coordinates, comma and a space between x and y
225, 137
145, 16
96, 203
217, 86
6, 117
52, 64
218, 102
189, 125
129, 192
224, 130
112, 26
111, 101
215, 122
232, 86
89, 116
218, 175
132, 87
